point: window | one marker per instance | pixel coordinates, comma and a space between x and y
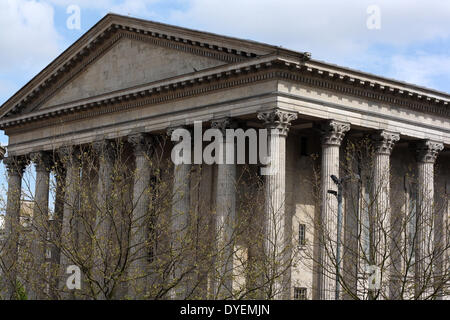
300, 293
301, 234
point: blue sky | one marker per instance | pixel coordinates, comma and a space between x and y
411, 44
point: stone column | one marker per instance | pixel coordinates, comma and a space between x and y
381, 214
40, 223
138, 269
104, 242
180, 219
427, 152
15, 167
55, 229
225, 213
70, 159
276, 240
332, 135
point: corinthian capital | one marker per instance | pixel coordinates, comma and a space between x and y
428, 150
334, 131
223, 124
104, 149
42, 160
15, 164
141, 142
173, 130
68, 153
278, 120
384, 141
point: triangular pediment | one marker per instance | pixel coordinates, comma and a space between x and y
121, 52
128, 63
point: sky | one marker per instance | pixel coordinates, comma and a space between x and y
408, 40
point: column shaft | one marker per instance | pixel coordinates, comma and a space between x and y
276, 241
332, 134
381, 215
225, 215
427, 152
105, 215
138, 270
40, 223
70, 158
55, 230
180, 219
15, 166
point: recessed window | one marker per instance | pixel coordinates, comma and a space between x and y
301, 234
300, 293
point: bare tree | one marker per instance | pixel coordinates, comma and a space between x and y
389, 246
92, 224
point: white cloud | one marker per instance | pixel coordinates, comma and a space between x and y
425, 70
325, 27
125, 7
28, 39
91, 4
336, 31
135, 8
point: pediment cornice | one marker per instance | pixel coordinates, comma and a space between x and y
227, 76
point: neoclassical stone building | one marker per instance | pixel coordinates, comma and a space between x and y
132, 79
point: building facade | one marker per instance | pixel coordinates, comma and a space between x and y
129, 82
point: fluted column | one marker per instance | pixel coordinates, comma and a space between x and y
276, 240
427, 152
15, 167
180, 219
70, 159
332, 135
381, 214
40, 223
138, 270
225, 213
103, 243
55, 229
